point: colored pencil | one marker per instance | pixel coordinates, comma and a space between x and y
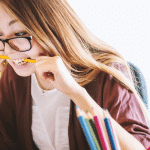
30, 60
85, 129
101, 134
26, 60
4, 57
109, 131
114, 132
91, 119
93, 132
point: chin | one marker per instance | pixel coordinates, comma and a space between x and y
24, 74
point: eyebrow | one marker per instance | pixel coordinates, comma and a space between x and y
12, 22
9, 24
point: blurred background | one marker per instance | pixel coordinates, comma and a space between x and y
125, 25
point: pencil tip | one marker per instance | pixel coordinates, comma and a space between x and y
76, 106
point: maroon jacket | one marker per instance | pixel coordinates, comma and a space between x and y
16, 111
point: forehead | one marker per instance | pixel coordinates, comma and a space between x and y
8, 22
5, 15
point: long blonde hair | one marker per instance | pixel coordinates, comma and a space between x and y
57, 28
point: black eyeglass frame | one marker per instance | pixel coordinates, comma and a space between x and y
29, 38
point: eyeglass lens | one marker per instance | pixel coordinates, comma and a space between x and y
19, 44
1, 46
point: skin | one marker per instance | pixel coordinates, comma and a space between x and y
10, 27
61, 79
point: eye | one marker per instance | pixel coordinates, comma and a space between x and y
23, 33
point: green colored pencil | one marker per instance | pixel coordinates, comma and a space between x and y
96, 141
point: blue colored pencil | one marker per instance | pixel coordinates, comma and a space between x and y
109, 132
114, 132
85, 129
92, 128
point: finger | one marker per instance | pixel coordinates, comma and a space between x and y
49, 75
45, 65
41, 57
44, 59
46, 71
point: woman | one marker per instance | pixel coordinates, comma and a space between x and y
35, 107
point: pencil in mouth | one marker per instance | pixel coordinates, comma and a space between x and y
26, 60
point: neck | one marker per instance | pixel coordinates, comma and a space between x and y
44, 84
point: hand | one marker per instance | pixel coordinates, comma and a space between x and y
53, 70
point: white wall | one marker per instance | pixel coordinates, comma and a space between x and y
125, 25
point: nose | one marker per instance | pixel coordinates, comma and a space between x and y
8, 50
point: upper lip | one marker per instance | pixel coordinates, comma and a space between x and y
19, 58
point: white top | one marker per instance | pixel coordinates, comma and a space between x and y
50, 118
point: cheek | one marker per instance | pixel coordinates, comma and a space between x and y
36, 50
2, 52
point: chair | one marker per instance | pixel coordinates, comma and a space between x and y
139, 82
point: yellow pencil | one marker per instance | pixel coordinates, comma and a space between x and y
4, 57
26, 60
30, 60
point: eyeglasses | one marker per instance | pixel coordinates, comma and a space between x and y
21, 44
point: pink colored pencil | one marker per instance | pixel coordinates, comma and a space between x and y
101, 133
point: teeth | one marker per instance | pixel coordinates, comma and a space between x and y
19, 62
